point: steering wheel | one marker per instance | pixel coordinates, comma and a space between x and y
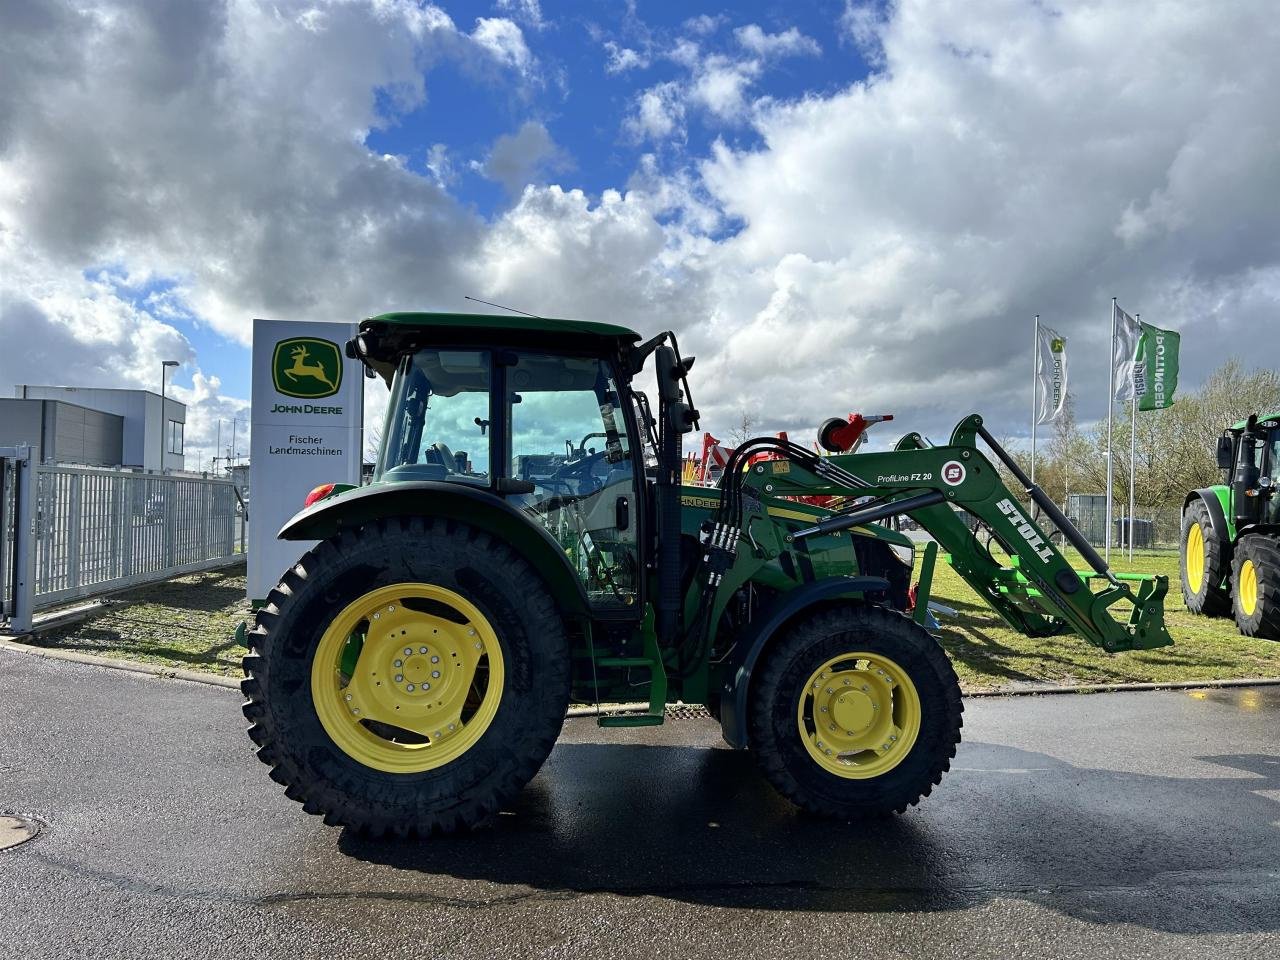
579, 469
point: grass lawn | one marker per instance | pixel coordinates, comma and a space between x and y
189, 622
987, 654
186, 622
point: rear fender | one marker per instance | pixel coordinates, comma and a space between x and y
734, 695
452, 501
1218, 502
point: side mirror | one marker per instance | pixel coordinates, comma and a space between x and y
669, 370
1226, 451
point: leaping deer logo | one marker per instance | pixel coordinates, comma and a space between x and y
301, 368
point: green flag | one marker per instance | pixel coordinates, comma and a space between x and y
1155, 368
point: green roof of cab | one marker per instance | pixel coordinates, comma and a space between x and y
505, 322
1270, 416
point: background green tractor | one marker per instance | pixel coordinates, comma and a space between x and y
526, 543
1231, 532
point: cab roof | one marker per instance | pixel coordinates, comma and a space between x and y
484, 325
1270, 416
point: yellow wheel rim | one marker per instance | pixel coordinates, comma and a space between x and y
859, 715
407, 678
1193, 557
1248, 587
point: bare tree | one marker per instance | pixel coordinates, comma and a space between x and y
745, 428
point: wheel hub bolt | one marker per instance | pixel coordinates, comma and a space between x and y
422, 649
433, 659
410, 688
399, 663
435, 674
408, 651
399, 678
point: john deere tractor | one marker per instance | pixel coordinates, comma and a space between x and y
1231, 532
526, 543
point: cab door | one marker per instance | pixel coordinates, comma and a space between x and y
567, 437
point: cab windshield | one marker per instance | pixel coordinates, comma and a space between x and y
438, 419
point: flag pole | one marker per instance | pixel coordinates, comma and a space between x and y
1133, 455
1035, 394
1111, 393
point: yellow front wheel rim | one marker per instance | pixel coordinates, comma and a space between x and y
1248, 587
407, 678
859, 715
1195, 557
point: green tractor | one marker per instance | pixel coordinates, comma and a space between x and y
526, 543
1231, 532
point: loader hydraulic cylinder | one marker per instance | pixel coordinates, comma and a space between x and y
843, 521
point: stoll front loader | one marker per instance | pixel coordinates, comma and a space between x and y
1231, 532
526, 543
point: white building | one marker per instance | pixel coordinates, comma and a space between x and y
152, 428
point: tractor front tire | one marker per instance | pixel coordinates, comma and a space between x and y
349, 688
1256, 575
856, 713
1204, 568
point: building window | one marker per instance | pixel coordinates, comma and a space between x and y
174, 444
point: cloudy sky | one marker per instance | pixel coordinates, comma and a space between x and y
840, 206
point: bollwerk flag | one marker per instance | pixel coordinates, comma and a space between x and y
1051, 368
1128, 334
1155, 371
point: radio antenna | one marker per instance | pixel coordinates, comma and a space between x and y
502, 307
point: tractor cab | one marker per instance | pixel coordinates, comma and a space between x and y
1249, 454
537, 412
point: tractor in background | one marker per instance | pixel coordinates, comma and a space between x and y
1231, 532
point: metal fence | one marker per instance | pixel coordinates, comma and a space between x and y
74, 532
1152, 527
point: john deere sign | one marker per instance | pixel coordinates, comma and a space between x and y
307, 406
307, 367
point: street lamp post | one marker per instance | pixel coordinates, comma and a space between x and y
164, 370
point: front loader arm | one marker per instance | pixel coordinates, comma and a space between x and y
1040, 593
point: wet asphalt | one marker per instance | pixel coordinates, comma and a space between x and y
1110, 825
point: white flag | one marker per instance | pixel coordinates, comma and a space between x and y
1052, 371
1128, 335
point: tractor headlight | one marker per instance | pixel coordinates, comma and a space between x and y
906, 554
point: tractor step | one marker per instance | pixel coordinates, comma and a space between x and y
630, 720
643, 662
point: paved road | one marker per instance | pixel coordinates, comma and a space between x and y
1090, 826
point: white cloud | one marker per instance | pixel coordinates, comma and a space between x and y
720, 86
440, 165
528, 12
705, 24
658, 113
789, 43
518, 159
504, 40
621, 59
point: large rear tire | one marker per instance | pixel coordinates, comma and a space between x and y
407, 677
1204, 566
1256, 575
856, 713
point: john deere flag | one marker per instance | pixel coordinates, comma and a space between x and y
1125, 349
1051, 368
1155, 370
